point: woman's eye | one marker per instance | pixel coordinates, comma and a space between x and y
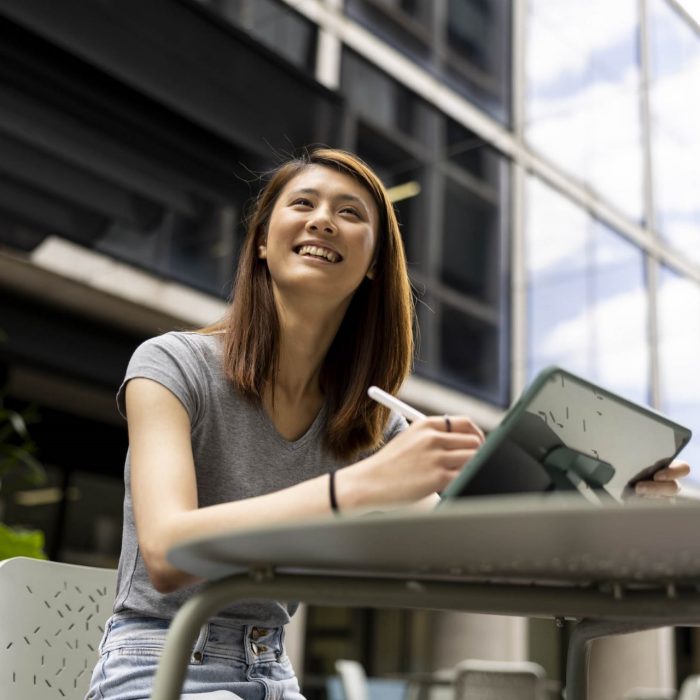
350, 210
302, 201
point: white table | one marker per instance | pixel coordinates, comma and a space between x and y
613, 569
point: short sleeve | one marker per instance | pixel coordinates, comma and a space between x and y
395, 425
173, 361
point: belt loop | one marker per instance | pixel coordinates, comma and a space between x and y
197, 656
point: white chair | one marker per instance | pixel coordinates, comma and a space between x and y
52, 618
499, 680
356, 686
690, 690
650, 694
353, 679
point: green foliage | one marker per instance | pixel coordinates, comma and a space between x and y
21, 543
17, 460
17, 448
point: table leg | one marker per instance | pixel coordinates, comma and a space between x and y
183, 633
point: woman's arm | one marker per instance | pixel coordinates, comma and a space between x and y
420, 461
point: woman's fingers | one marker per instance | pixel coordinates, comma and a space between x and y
676, 470
457, 424
664, 483
657, 489
455, 459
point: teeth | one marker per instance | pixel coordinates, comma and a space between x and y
317, 252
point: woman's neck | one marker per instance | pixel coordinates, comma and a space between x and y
306, 334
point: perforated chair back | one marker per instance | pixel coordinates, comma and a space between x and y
496, 680
52, 618
353, 679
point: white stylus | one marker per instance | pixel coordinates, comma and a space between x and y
380, 396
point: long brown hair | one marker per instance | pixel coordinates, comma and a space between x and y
374, 344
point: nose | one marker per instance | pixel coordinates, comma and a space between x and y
320, 220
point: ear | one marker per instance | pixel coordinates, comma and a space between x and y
371, 272
262, 251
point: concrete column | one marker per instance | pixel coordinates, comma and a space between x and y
295, 640
459, 636
623, 662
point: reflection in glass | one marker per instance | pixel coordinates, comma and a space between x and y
199, 250
385, 102
464, 42
582, 108
469, 352
675, 105
273, 24
467, 150
679, 350
471, 257
587, 308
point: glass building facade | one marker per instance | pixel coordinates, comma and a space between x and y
609, 97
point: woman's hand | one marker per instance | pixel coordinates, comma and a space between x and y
664, 483
420, 461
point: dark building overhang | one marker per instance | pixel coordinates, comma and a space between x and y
121, 111
203, 68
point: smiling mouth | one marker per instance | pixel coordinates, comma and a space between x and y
318, 253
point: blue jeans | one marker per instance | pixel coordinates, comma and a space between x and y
228, 661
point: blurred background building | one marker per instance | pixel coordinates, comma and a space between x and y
543, 158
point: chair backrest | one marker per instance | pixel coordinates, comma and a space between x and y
690, 690
496, 680
353, 684
353, 679
651, 694
52, 617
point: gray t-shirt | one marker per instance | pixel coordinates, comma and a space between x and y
237, 454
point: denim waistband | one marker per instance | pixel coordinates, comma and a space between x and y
249, 644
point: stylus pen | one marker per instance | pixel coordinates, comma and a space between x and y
403, 409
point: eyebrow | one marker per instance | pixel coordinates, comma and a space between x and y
346, 196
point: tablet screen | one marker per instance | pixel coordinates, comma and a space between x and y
568, 434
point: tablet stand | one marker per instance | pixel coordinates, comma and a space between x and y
568, 468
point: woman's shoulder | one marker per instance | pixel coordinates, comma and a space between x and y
185, 362
185, 342
197, 356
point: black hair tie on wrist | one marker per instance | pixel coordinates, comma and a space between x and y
331, 493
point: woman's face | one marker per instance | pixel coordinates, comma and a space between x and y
321, 235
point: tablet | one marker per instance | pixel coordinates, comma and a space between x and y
567, 434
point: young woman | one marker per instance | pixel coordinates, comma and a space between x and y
264, 418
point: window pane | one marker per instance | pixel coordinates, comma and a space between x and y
384, 102
587, 308
464, 42
692, 7
582, 83
478, 53
450, 192
471, 253
472, 154
469, 352
679, 349
274, 24
675, 105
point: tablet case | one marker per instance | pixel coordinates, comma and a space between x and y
568, 434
